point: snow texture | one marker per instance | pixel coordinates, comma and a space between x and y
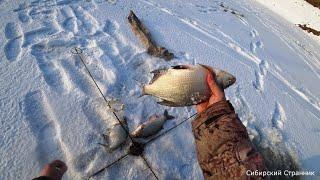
50, 108
296, 12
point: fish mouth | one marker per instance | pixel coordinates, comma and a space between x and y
233, 80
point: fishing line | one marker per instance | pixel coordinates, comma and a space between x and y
78, 51
149, 141
168, 130
107, 166
148, 165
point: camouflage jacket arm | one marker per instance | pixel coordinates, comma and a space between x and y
223, 146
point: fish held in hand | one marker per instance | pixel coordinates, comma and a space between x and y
152, 126
185, 85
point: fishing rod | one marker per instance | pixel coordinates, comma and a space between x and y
170, 129
78, 51
107, 166
136, 148
143, 144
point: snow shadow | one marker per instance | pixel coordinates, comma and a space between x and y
277, 158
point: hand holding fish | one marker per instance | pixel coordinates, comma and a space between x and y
186, 85
216, 91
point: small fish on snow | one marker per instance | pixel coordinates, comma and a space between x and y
185, 85
152, 126
116, 135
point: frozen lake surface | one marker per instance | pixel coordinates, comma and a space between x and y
51, 109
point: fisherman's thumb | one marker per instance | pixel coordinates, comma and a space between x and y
212, 83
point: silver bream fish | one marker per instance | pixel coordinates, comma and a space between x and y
185, 85
116, 135
152, 126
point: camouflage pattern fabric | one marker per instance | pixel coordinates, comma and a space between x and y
223, 146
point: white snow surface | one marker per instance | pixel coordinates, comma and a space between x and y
50, 108
296, 12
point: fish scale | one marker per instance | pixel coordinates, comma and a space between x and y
153, 125
185, 85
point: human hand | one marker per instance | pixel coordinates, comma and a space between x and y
217, 94
54, 170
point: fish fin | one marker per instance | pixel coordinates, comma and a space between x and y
159, 71
167, 115
156, 74
104, 145
180, 67
140, 83
168, 103
141, 95
142, 86
143, 92
207, 67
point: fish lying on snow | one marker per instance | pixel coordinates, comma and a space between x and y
185, 85
152, 126
116, 135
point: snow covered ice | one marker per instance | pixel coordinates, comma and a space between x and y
50, 108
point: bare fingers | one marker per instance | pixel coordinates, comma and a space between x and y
202, 106
217, 93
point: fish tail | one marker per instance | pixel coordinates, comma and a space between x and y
143, 92
166, 114
139, 83
104, 145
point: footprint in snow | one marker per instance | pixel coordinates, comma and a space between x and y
12, 48
279, 116
254, 33
42, 123
260, 74
255, 45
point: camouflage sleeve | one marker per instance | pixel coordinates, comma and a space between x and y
223, 146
